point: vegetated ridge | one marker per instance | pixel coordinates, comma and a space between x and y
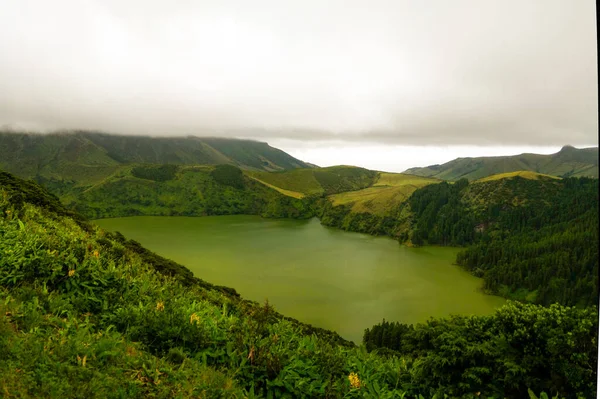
85, 313
86, 157
505, 212
568, 162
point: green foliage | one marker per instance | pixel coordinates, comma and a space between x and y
542, 251
155, 172
440, 215
519, 348
342, 216
228, 175
336, 179
89, 315
319, 181
531, 240
197, 191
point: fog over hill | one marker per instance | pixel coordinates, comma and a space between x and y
409, 81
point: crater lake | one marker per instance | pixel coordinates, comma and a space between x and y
338, 280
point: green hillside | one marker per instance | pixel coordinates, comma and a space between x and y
568, 162
90, 314
388, 191
174, 190
83, 158
525, 174
319, 181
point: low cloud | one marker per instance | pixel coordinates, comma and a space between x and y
476, 72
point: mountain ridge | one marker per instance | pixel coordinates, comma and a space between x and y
568, 162
80, 155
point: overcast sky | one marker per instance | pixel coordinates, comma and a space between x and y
313, 77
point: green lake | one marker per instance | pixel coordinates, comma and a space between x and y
327, 277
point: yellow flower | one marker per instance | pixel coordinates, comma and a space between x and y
194, 318
354, 380
96, 253
71, 272
160, 306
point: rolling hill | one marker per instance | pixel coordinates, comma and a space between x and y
94, 313
89, 157
388, 191
568, 162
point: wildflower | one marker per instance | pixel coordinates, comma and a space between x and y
354, 380
194, 318
82, 361
160, 306
96, 253
71, 272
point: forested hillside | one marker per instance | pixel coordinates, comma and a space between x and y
534, 240
173, 190
90, 314
568, 162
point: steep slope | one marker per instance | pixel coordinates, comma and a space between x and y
567, 162
532, 240
87, 157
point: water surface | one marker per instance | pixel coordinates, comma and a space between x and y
323, 276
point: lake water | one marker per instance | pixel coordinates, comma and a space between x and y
323, 276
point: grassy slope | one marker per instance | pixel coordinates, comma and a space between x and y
85, 158
283, 191
301, 181
388, 191
568, 161
526, 174
319, 181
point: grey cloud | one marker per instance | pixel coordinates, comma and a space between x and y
482, 72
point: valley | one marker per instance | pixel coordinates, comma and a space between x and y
427, 276
329, 278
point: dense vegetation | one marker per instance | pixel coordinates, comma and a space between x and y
87, 314
155, 172
568, 162
543, 253
90, 314
193, 191
533, 240
551, 349
320, 181
440, 216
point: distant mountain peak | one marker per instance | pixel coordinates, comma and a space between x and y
568, 162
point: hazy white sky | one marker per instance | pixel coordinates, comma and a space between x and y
396, 158
321, 77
